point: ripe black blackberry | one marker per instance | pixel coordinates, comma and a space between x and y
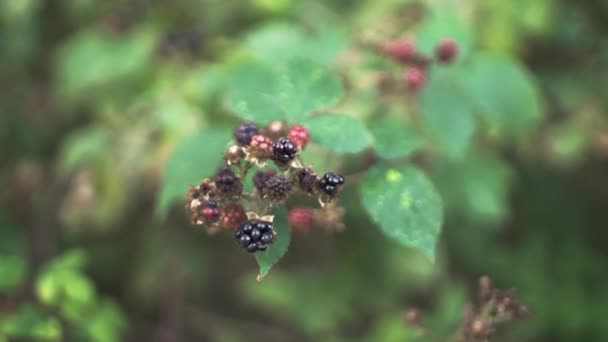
244, 132
255, 235
330, 183
227, 183
284, 150
259, 179
277, 188
306, 180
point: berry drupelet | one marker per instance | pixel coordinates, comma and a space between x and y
284, 150
330, 183
244, 132
227, 183
277, 188
255, 235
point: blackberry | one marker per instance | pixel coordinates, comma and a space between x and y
255, 235
284, 150
301, 218
277, 188
231, 216
330, 183
243, 133
227, 183
260, 178
260, 147
400, 50
415, 78
306, 180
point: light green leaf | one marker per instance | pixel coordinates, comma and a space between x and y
405, 205
443, 22
448, 113
267, 259
394, 139
252, 92
506, 93
305, 87
193, 159
339, 133
83, 146
32, 324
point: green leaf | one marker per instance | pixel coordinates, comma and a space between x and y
12, 271
448, 112
251, 93
443, 22
477, 186
394, 139
83, 146
280, 42
305, 87
32, 324
267, 259
338, 133
506, 94
405, 205
193, 159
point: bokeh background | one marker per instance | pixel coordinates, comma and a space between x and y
96, 95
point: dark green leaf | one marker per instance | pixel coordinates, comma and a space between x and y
12, 271
195, 158
338, 133
267, 259
448, 112
405, 205
393, 138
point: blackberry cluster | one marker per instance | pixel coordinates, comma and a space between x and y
244, 132
330, 183
227, 183
284, 150
277, 188
255, 235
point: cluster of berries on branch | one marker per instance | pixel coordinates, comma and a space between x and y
404, 51
220, 203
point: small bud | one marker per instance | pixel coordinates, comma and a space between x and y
412, 317
415, 78
234, 155
401, 50
301, 218
446, 50
276, 130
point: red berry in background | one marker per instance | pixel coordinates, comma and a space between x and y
232, 216
299, 135
415, 78
446, 50
402, 50
301, 218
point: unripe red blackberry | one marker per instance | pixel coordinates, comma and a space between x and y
330, 183
209, 211
255, 235
284, 150
401, 50
306, 180
446, 50
301, 218
415, 78
243, 133
227, 183
277, 188
260, 147
231, 216
260, 178
299, 135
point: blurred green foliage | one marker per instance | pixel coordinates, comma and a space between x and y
110, 110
